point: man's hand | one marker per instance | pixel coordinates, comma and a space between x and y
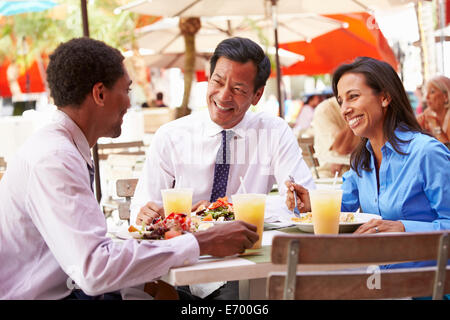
198, 204
303, 202
148, 213
227, 239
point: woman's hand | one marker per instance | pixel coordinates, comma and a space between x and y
303, 203
378, 225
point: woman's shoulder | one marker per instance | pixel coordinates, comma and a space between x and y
425, 144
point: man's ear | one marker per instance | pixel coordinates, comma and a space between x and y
257, 96
98, 93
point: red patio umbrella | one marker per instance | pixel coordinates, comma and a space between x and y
326, 52
35, 78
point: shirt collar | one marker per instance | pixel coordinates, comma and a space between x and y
213, 128
78, 136
400, 134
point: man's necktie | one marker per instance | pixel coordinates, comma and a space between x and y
222, 167
91, 176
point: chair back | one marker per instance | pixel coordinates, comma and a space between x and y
125, 188
308, 153
362, 283
122, 148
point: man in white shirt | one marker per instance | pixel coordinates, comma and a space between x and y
190, 152
52, 231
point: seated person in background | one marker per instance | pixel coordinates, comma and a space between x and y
210, 150
306, 114
52, 229
436, 118
159, 103
334, 141
397, 171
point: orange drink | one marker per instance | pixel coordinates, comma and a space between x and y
326, 210
249, 207
177, 200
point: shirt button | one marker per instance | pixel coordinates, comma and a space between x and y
375, 199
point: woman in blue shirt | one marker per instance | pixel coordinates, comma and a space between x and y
397, 170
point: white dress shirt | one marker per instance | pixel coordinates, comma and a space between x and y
52, 230
183, 152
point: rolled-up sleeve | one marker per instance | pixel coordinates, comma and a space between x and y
435, 169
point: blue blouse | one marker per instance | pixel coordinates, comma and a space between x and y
414, 188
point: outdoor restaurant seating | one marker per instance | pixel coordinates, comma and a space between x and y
361, 283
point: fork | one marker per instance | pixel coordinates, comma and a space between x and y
296, 211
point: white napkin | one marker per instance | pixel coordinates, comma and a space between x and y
203, 290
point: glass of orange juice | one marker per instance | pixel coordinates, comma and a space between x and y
177, 200
249, 207
326, 210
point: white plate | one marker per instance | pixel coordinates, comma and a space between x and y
344, 227
124, 234
221, 222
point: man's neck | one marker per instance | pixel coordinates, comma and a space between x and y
78, 115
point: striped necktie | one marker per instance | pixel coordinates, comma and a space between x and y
222, 167
91, 176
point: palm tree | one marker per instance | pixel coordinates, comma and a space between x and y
188, 27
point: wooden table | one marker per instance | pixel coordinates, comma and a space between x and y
251, 271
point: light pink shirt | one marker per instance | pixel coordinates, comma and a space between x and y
52, 230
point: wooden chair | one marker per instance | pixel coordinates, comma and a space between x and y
122, 148
307, 146
366, 283
125, 188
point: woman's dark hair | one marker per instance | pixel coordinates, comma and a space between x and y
382, 78
77, 65
243, 50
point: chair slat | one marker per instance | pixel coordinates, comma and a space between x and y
354, 248
400, 283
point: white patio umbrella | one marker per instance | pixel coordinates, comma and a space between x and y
203, 8
165, 45
176, 60
268, 8
165, 35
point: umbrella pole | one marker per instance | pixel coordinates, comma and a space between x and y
277, 58
98, 190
